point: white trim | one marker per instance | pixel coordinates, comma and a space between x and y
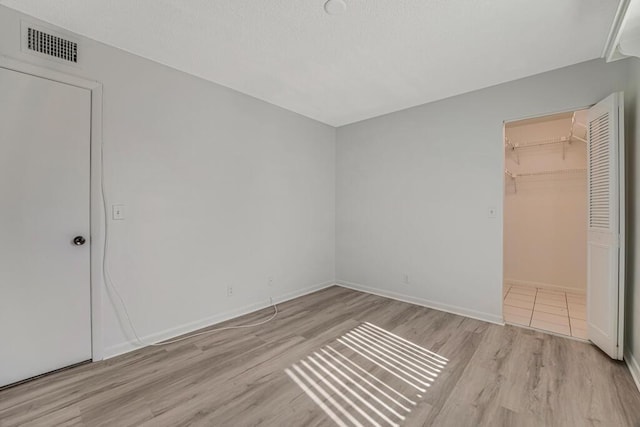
461, 311
96, 218
97, 224
548, 286
47, 73
634, 368
622, 221
544, 331
536, 116
125, 347
610, 51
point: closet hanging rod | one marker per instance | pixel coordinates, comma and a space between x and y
547, 172
536, 143
514, 176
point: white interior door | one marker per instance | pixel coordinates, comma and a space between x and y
605, 241
45, 315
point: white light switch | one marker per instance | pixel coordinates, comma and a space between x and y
492, 212
117, 211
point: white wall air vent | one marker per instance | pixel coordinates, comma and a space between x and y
49, 44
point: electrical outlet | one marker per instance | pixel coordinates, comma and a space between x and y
405, 278
229, 290
270, 281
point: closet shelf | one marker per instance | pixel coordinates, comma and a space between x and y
514, 146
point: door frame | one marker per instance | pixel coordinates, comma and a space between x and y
97, 214
503, 164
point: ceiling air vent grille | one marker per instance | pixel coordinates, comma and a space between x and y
50, 45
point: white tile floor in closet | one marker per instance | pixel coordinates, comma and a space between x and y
555, 311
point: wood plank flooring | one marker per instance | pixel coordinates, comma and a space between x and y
493, 376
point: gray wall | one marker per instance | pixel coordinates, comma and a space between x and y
632, 326
414, 189
220, 189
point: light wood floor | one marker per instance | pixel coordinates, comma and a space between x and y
486, 374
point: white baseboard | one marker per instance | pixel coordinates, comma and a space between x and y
549, 286
125, 347
466, 312
634, 368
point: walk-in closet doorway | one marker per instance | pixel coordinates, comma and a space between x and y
545, 223
563, 218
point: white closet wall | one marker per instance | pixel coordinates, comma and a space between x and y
545, 216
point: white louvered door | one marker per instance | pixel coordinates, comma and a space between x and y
605, 249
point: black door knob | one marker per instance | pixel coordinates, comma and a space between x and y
79, 240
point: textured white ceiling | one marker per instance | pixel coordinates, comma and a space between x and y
378, 57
